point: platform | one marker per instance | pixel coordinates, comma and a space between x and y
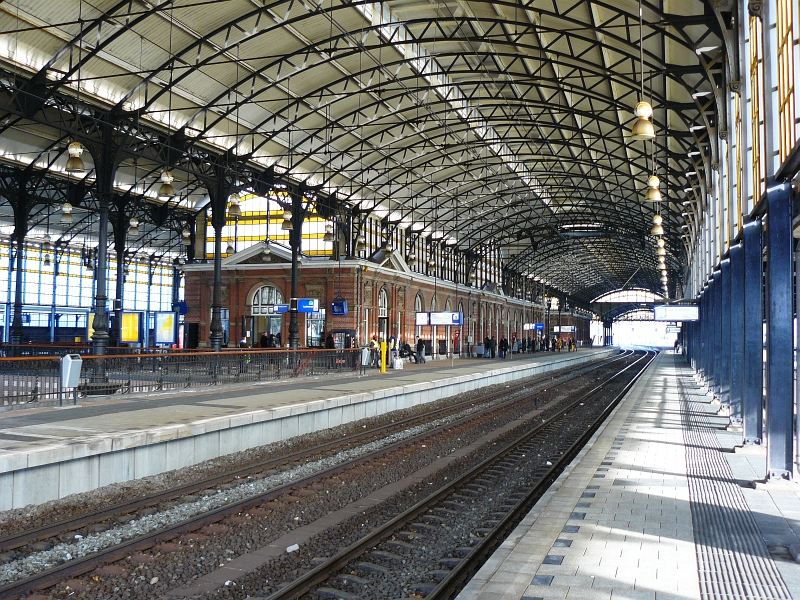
49, 453
659, 506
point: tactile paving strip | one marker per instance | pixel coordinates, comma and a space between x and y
732, 559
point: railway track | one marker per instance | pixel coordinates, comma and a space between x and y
75, 567
371, 556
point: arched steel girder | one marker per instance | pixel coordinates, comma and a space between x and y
630, 21
316, 112
404, 154
314, 46
399, 178
394, 125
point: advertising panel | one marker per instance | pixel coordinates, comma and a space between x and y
165, 327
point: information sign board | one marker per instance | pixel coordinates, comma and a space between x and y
422, 318
676, 312
307, 305
446, 318
277, 309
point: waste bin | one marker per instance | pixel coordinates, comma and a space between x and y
366, 354
71, 370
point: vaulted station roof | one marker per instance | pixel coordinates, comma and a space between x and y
502, 125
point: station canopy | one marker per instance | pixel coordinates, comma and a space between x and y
485, 125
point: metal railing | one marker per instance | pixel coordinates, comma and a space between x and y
29, 380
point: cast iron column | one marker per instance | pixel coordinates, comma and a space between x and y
217, 334
119, 246
725, 334
295, 238
219, 200
752, 431
780, 332
100, 319
736, 343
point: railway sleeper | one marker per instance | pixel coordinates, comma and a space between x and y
424, 588
352, 580
326, 592
368, 567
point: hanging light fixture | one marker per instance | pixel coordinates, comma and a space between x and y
186, 237
657, 228
643, 127
328, 237
75, 162
166, 191
653, 194
234, 210
265, 253
46, 262
389, 249
661, 252
230, 249
412, 260
660, 242
134, 227
47, 246
287, 220
361, 245
66, 214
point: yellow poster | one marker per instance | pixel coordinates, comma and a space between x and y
130, 327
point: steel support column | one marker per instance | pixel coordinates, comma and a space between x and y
100, 319
753, 381
725, 333
780, 332
716, 346
736, 343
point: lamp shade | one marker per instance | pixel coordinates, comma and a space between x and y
166, 191
653, 195
643, 128
75, 162
657, 230
66, 213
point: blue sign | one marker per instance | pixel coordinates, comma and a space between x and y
278, 308
538, 326
307, 305
179, 307
339, 307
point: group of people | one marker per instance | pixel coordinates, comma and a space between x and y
396, 350
272, 340
492, 348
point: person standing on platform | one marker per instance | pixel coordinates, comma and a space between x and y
420, 351
492, 347
374, 352
263, 341
503, 347
329, 345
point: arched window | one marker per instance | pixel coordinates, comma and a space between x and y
418, 303
383, 304
264, 298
